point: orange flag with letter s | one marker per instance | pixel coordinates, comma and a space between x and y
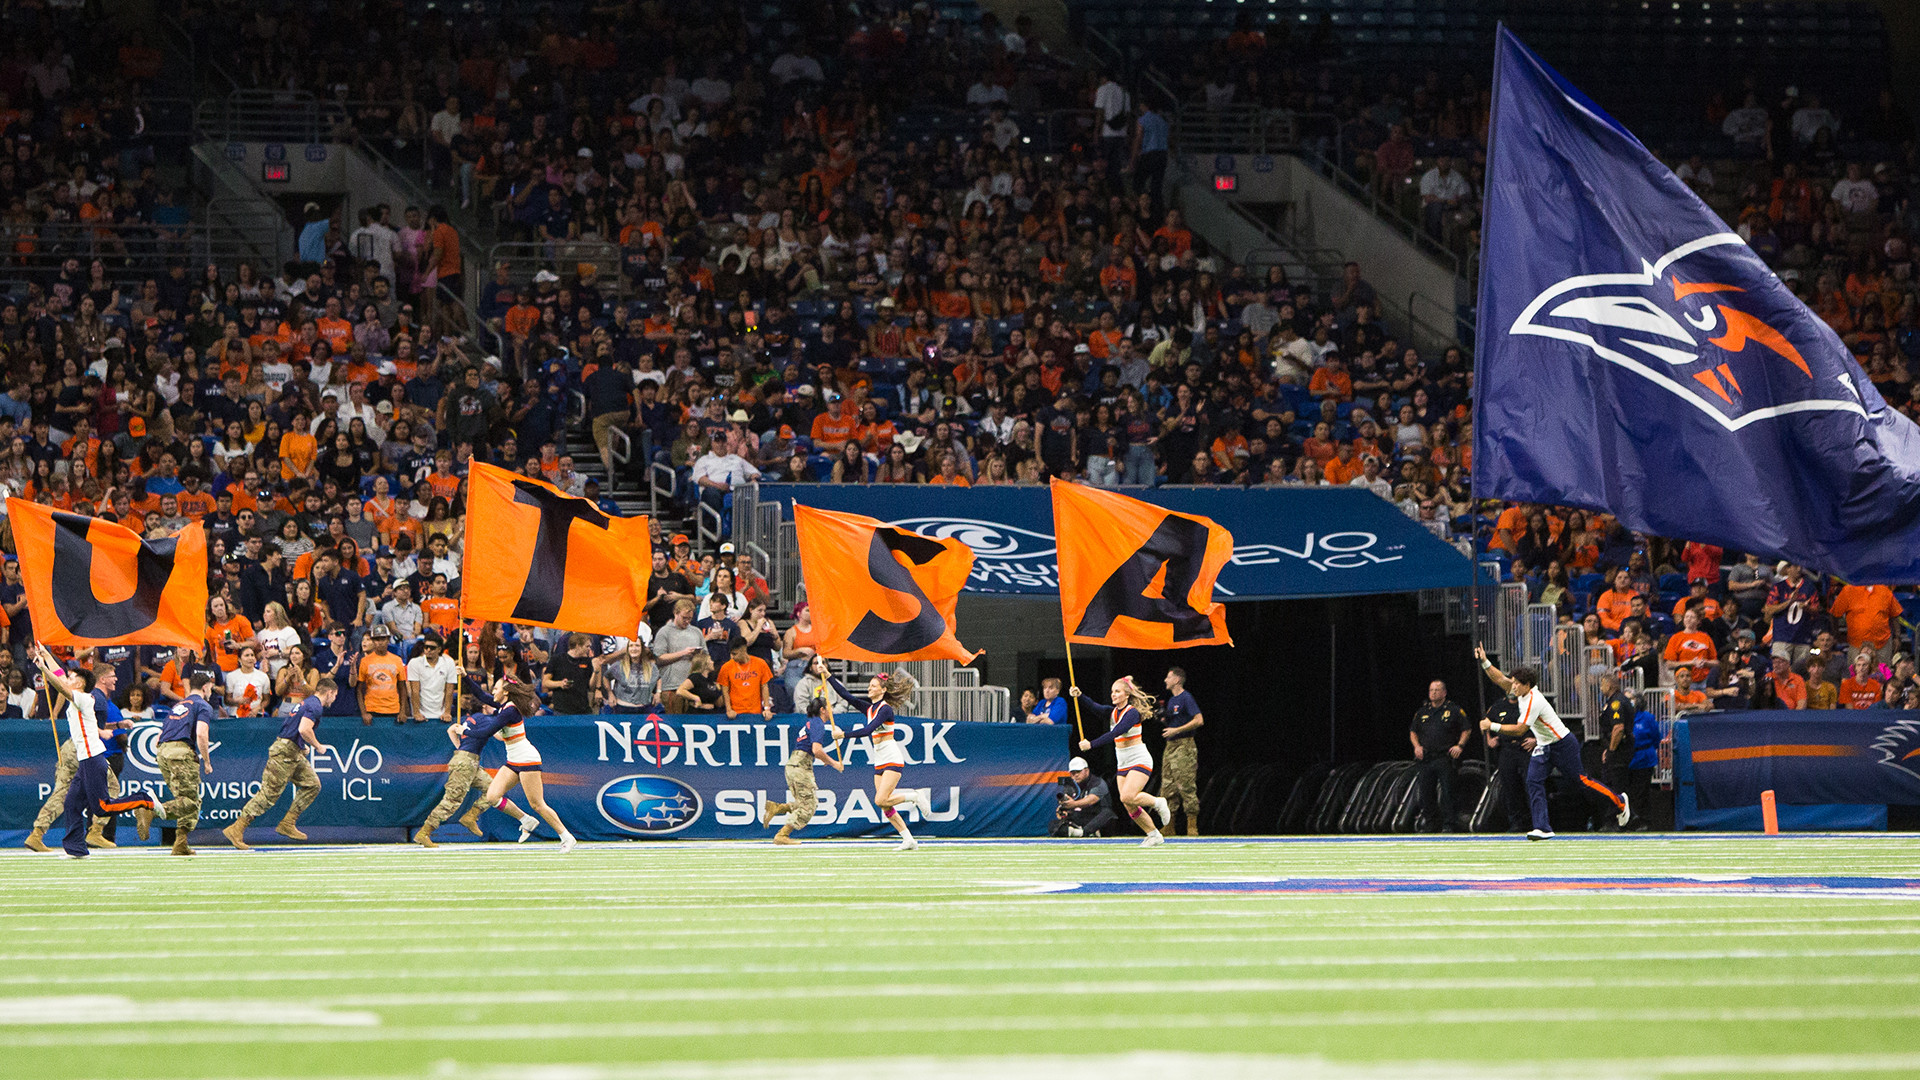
537, 556
880, 593
1137, 576
90, 581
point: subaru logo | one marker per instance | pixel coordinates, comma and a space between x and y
649, 805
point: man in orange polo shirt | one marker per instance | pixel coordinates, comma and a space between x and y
832, 429
746, 678
1616, 603
1869, 611
1789, 688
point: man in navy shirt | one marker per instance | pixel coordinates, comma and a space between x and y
814, 742
1180, 761
339, 588
186, 751
287, 762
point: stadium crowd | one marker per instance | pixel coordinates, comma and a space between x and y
804, 292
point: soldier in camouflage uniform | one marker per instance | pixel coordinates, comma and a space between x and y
65, 766
185, 751
815, 743
1180, 760
464, 774
287, 763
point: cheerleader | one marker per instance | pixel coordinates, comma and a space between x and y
1131, 705
514, 700
885, 693
815, 743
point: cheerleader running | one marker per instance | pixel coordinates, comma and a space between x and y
514, 700
1131, 705
885, 693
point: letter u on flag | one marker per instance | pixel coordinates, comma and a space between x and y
1636, 356
92, 582
540, 557
879, 593
1137, 576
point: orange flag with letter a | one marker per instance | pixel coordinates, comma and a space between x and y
1137, 576
92, 582
540, 557
879, 593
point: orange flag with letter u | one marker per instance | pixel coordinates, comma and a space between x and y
1137, 576
879, 593
540, 557
92, 582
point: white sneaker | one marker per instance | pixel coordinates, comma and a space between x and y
908, 844
527, 827
924, 801
1626, 812
1075, 831
1540, 834
567, 844
1161, 808
1152, 839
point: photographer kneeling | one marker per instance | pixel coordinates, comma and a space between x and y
1084, 806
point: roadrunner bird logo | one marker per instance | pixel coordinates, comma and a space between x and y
1684, 323
1899, 747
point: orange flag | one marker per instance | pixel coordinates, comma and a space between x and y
878, 593
540, 557
1137, 576
92, 582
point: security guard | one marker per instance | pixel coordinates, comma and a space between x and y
1616, 724
1510, 763
1439, 736
186, 751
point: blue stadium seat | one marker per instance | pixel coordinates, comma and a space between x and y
1673, 583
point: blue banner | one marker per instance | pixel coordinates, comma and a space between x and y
1635, 356
1868, 756
1287, 542
608, 777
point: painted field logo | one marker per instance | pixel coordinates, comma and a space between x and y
649, 805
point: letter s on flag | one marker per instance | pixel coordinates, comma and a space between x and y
93, 582
540, 557
1137, 576
880, 593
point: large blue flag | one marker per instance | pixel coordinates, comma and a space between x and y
1635, 356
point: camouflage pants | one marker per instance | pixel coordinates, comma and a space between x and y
180, 768
464, 774
65, 767
1179, 765
286, 762
801, 790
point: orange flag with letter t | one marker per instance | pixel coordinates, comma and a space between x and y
540, 557
1137, 576
879, 593
92, 582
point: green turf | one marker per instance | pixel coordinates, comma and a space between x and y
462, 961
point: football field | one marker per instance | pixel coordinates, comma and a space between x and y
1638, 956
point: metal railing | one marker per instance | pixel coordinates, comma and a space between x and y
1234, 129
523, 259
130, 251
1658, 700
660, 484
274, 116
1388, 212
944, 690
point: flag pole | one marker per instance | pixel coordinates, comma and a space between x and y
1074, 682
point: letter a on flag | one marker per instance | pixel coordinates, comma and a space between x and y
540, 557
879, 593
1636, 356
92, 582
1137, 576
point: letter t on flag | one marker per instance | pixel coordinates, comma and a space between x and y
878, 593
1137, 576
539, 557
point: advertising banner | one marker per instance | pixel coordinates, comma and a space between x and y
1288, 542
1840, 759
608, 777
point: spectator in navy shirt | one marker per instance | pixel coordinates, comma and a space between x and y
339, 589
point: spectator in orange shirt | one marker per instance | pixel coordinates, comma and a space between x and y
1331, 379
521, 319
1860, 690
1691, 648
1697, 598
1616, 603
1230, 451
1686, 699
1509, 527
1869, 611
337, 331
379, 678
832, 429
1100, 343
1343, 467
1790, 689
950, 473
746, 679
1175, 233
226, 632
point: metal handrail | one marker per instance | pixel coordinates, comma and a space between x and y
1412, 230
654, 488
704, 534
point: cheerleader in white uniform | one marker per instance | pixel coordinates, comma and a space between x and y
1131, 706
885, 693
515, 701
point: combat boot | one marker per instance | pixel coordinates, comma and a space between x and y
768, 810
471, 819
236, 834
97, 837
35, 841
289, 830
180, 844
785, 835
143, 821
424, 837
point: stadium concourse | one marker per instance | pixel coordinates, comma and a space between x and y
1622, 958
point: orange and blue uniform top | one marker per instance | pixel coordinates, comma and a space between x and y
879, 715
182, 723
1126, 726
